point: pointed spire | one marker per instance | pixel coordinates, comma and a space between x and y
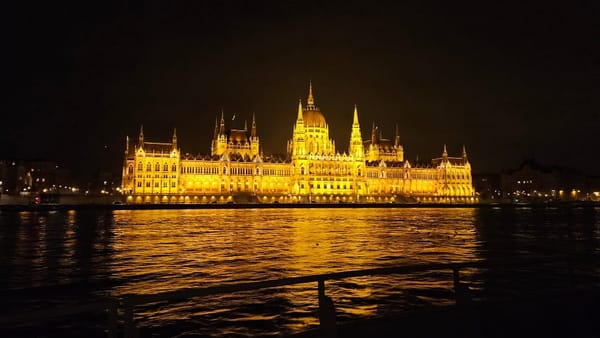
355, 119
464, 154
373, 134
127, 144
245, 125
311, 100
141, 137
174, 137
299, 110
397, 140
253, 132
445, 153
216, 132
222, 126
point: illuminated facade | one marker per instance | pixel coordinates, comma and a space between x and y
312, 172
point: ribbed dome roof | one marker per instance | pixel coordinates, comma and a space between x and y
313, 118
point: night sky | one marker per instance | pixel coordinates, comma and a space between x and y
509, 80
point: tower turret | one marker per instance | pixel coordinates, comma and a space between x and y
298, 144
356, 144
254, 142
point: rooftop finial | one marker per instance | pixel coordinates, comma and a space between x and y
464, 152
445, 153
253, 131
141, 137
355, 119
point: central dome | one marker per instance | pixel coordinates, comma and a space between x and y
313, 118
311, 114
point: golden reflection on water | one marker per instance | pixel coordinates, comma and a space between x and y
162, 250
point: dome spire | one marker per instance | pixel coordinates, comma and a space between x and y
311, 100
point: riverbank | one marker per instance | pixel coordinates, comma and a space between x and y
119, 206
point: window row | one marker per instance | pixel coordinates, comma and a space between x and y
157, 167
157, 184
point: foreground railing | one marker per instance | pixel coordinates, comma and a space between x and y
326, 317
326, 312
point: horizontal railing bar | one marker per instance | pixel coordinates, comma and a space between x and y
249, 286
134, 300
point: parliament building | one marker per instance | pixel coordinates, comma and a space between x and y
313, 171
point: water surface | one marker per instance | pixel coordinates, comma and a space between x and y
53, 258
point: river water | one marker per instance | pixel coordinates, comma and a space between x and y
50, 259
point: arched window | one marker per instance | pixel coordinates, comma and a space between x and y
301, 170
157, 167
140, 166
165, 167
174, 167
148, 167
130, 169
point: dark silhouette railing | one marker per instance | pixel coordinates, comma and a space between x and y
326, 309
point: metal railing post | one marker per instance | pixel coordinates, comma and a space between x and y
327, 320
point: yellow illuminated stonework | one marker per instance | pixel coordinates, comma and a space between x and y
236, 171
